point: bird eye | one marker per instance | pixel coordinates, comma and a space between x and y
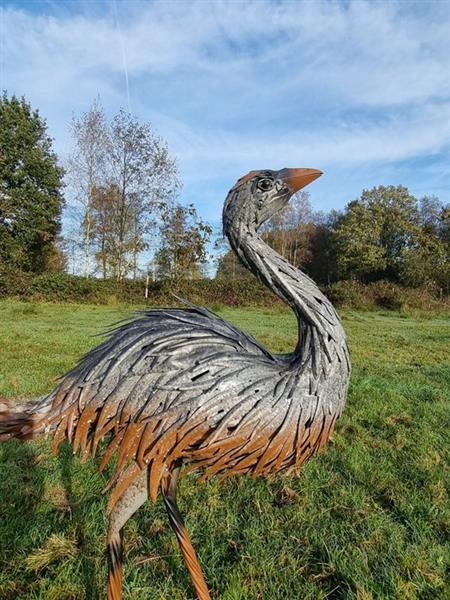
265, 184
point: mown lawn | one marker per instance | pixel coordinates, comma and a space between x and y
369, 518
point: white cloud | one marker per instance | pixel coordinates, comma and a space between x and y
402, 136
366, 52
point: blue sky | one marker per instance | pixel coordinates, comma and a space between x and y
357, 89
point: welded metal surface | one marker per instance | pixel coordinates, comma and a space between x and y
183, 387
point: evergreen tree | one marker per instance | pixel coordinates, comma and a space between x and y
30, 188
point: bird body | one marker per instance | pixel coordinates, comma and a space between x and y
182, 387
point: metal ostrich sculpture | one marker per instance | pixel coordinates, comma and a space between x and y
183, 387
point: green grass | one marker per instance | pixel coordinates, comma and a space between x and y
368, 519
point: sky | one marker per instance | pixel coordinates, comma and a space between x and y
357, 89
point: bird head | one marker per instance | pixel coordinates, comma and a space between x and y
260, 194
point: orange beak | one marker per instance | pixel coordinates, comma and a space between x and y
298, 178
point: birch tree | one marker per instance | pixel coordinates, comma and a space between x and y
122, 176
146, 179
87, 169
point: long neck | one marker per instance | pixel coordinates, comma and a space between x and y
313, 310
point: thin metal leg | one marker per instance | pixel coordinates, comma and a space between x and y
169, 492
132, 499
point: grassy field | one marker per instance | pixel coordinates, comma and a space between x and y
368, 519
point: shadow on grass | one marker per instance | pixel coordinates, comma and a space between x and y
88, 568
21, 490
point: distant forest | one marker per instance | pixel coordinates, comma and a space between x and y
386, 234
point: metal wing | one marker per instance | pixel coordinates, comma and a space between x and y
160, 383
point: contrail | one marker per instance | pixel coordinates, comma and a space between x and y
124, 56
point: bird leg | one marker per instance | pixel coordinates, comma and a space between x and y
169, 493
132, 499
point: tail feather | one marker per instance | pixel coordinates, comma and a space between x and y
22, 421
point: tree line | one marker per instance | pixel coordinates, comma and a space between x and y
385, 234
120, 190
